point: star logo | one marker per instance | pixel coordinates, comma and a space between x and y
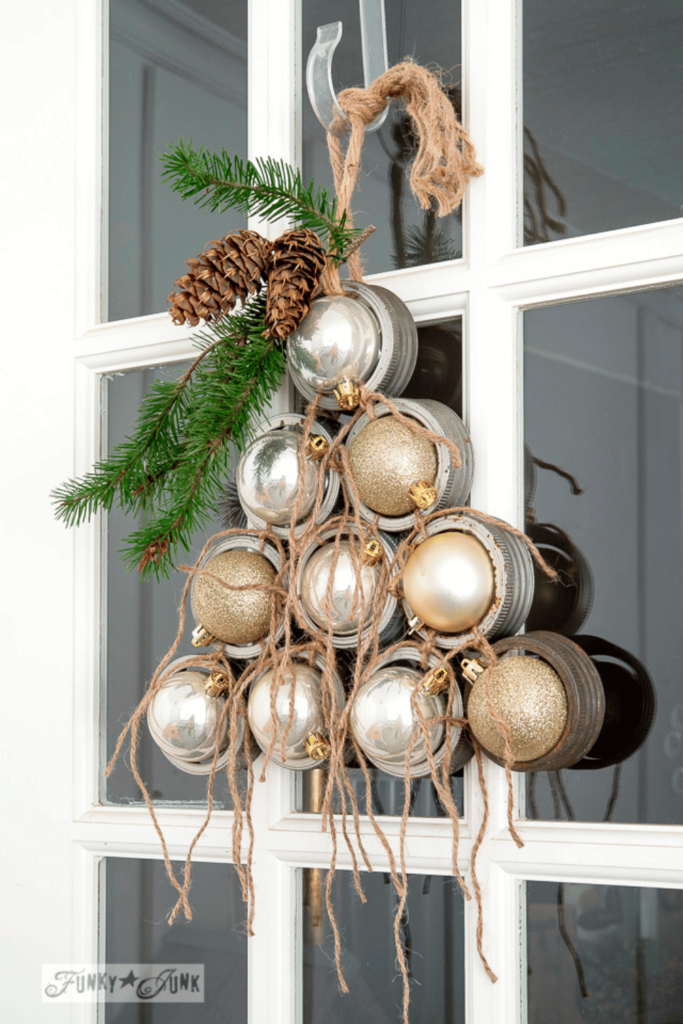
130, 979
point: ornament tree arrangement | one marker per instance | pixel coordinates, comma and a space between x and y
352, 579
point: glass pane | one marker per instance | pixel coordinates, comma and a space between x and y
432, 930
175, 71
138, 899
437, 376
603, 394
603, 102
606, 954
430, 33
142, 621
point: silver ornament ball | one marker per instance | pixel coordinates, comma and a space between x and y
449, 582
345, 606
268, 477
384, 722
183, 721
307, 715
338, 338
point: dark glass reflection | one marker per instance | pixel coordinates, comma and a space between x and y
175, 71
603, 396
432, 933
604, 954
430, 33
603, 102
141, 625
138, 899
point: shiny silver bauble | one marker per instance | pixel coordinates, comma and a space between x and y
269, 477
185, 723
384, 722
307, 715
343, 615
338, 338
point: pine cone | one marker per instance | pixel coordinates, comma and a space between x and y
228, 270
295, 265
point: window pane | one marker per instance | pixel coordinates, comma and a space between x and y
432, 930
608, 954
175, 71
138, 899
142, 621
603, 102
430, 33
603, 400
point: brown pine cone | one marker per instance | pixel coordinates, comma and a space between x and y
226, 271
295, 265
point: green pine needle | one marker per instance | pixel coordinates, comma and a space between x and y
267, 188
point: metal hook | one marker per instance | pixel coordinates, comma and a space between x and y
321, 92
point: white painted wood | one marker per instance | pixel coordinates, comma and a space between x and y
58, 830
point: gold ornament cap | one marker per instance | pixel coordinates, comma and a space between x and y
529, 696
422, 494
201, 637
372, 553
317, 746
347, 394
216, 685
316, 447
435, 682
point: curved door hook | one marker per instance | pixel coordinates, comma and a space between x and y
319, 67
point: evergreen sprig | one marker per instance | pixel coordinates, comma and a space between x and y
172, 468
264, 187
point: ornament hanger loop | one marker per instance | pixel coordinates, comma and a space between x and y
321, 92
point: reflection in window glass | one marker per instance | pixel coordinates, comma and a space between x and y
138, 899
175, 71
605, 954
603, 102
430, 33
603, 400
432, 932
142, 621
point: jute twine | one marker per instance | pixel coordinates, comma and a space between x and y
286, 609
444, 162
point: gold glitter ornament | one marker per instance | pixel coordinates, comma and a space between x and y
449, 582
529, 696
234, 616
386, 459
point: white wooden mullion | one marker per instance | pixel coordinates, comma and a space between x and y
492, 347
275, 949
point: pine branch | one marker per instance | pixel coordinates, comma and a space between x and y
264, 187
230, 392
131, 474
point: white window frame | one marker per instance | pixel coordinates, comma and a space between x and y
489, 288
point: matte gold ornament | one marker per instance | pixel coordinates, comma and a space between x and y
449, 582
529, 696
234, 616
387, 458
